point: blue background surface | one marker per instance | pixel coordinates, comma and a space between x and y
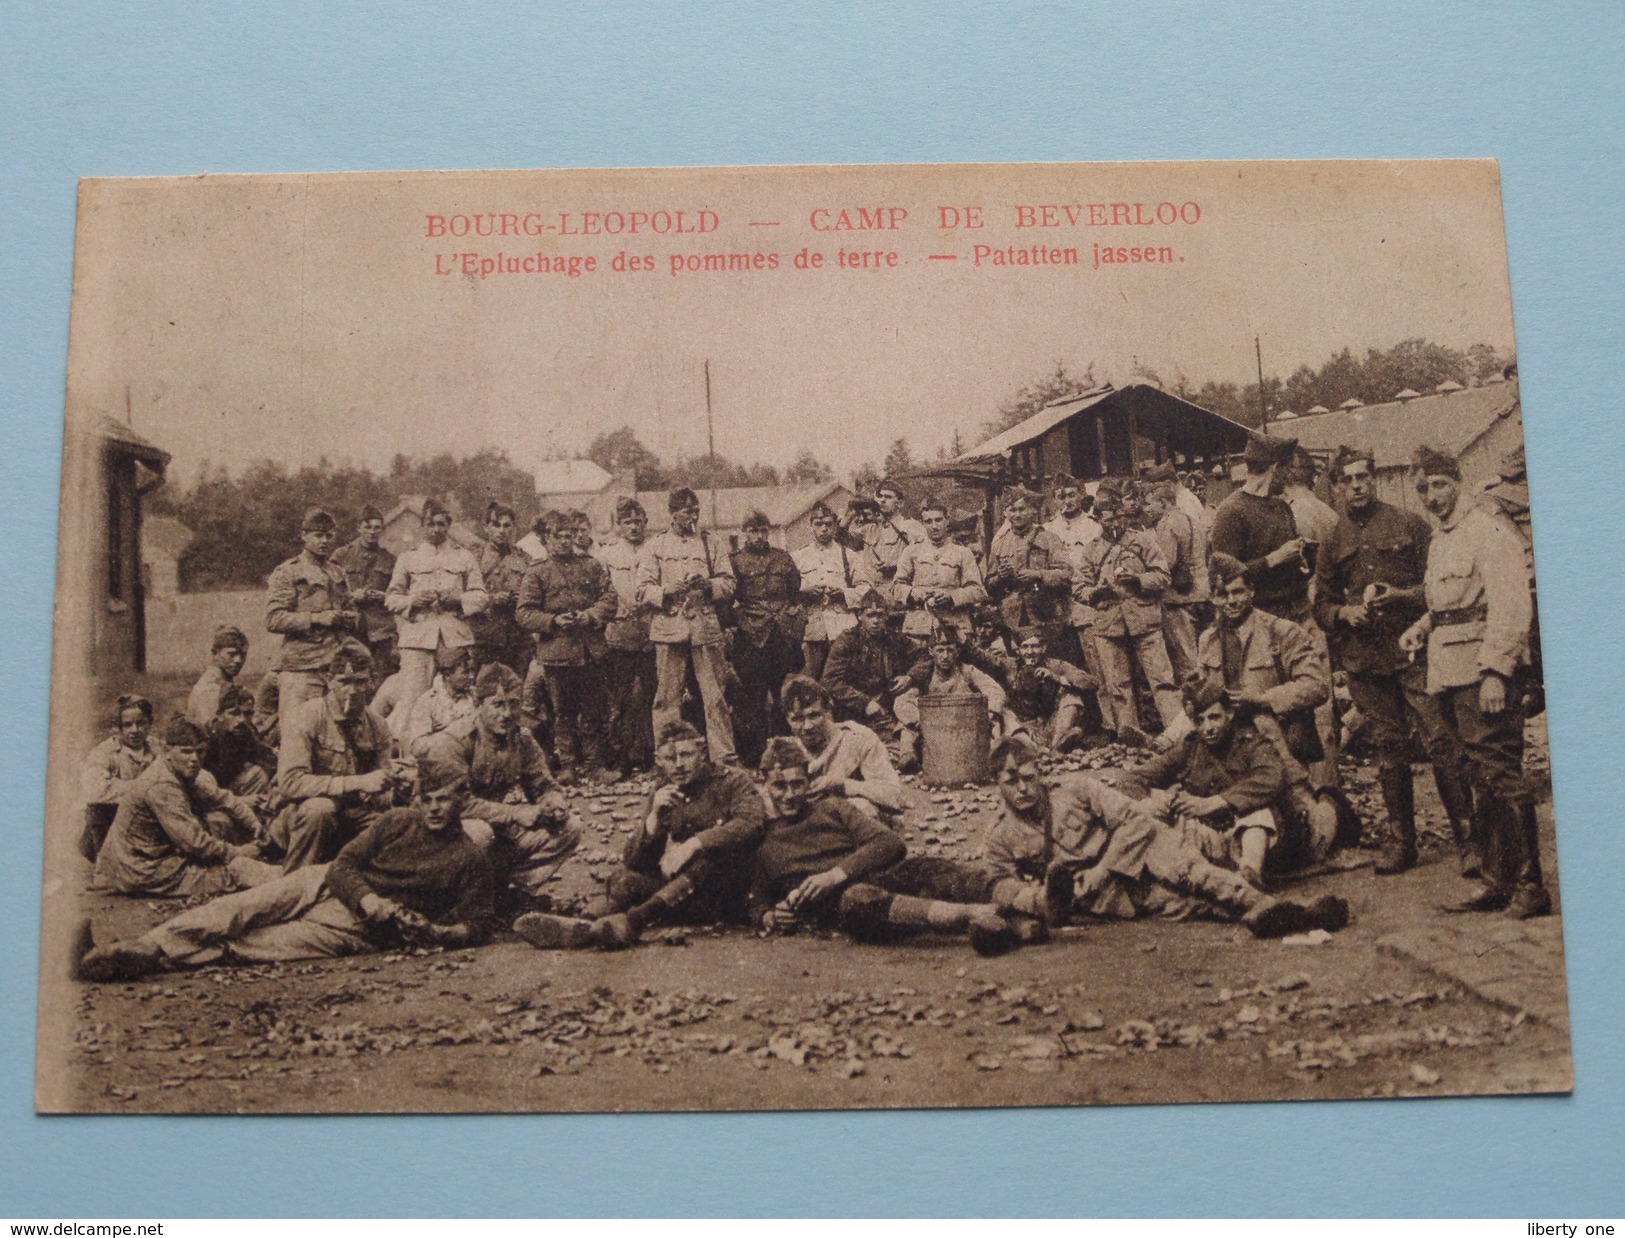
164, 88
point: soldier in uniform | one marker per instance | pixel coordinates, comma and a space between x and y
868, 668
566, 601
834, 579
630, 662
937, 580
1368, 590
885, 539
1029, 570
1118, 586
680, 581
1182, 543
368, 567
497, 634
767, 636
435, 587
1255, 526
1476, 636
308, 604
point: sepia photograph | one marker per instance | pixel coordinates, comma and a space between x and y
827, 637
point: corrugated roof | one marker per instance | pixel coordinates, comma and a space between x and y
1394, 431
1040, 423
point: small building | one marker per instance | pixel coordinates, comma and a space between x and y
163, 541
130, 467
403, 526
1477, 425
567, 477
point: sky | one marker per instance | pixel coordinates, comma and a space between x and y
237, 318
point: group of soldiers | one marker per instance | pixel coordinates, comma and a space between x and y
391, 781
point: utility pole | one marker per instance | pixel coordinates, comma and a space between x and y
1263, 408
711, 444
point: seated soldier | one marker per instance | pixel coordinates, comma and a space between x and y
824, 861
689, 858
1123, 861
844, 758
169, 837
1044, 696
450, 697
947, 674
227, 653
1227, 788
410, 878
337, 769
868, 666
235, 755
112, 768
515, 808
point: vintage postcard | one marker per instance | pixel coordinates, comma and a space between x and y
807, 637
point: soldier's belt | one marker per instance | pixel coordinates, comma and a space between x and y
1464, 614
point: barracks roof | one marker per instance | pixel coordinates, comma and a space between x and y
1452, 422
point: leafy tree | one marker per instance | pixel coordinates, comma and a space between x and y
865, 478
808, 469
620, 451
899, 459
1036, 395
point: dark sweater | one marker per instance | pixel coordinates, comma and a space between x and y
722, 810
1248, 528
440, 875
831, 833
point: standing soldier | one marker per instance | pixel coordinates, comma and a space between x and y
680, 579
1476, 634
1118, 586
497, 634
1075, 528
1256, 526
885, 540
1029, 570
565, 601
368, 567
1187, 575
630, 662
1368, 590
435, 587
767, 635
308, 604
833, 582
937, 580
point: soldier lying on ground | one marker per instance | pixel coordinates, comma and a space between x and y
169, 836
689, 858
1123, 860
411, 878
826, 862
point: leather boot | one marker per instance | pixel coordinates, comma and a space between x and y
1456, 794
1399, 799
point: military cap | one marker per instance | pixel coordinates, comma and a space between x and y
676, 732
495, 677
629, 507
182, 732
318, 520
433, 508
1223, 568
821, 511
1202, 694
228, 637
874, 598
496, 509
447, 658
350, 656
1020, 494
436, 774
757, 520
1031, 632
1261, 452
369, 512
1016, 749
1161, 472
931, 503
682, 497
1431, 462
1347, 455
1064, 481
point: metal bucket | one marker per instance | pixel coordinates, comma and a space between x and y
955, 735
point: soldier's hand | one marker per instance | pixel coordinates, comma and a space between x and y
1285, 552
378, 909
777, 919
1413, 640
667, 796
375, 782
1356, 615
1492, 695
677, 856
816, 889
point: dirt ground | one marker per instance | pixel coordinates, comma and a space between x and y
1119, 1013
